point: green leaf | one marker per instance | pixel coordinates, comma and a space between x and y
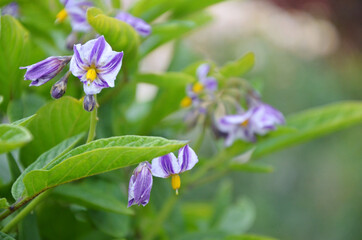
166, 80
312, 124
4, 236
238, 218
92, 194
114, 225
149, 10
44, 160
248, 237
24, 121
120, 35
12, 137
239, 67
97, 157
222, 201
53, 123
165, 32
3, 203
253, 168
26, 106
186, 7
13, 48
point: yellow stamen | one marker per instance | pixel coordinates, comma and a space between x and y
186, 102
176, 182
91, 74
245, 123
62, 15
197, 88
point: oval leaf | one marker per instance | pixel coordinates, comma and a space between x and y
12, 137
99, 156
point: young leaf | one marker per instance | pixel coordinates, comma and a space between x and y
120, 35
96, 157
53, 123
12, 137
165, 32
92, 194
3, 203
13, 43
44, 160
239, 67
166, 80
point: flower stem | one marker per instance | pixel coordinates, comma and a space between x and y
24, 212
93, 123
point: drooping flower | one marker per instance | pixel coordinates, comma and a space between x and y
205, 83
143, 28
77, 10
140, 185
170, 166
96, 65
10, 9
258, 120
41, 72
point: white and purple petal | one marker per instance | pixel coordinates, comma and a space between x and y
142, 27
140, 185
165, 166
187, 158
202, 71
265, 118
111, 67
77, 11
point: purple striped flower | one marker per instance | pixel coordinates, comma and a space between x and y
96, 65
258, 120
140, 185
41, 72
170, 166
143, 28
77, 11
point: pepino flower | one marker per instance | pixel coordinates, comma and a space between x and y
143, 28
204, 84
169, 166
41, 72
77, 10
140, 185
259, 120
96, 65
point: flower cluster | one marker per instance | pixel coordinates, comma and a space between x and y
76, 10
141, 27
94, 63
166, 166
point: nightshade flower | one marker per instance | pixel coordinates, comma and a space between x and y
143, 28
140, 185
96, 65
41, 72
170, 166
77, 10
204, 83
259, 120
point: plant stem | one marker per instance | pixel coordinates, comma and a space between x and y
93, 123
24, 212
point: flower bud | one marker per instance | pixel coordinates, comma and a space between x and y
59, 87
89, 103
140, 185
41, 72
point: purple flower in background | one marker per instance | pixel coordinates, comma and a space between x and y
96, 65
143, 28
41, 72
168, 165
11, 9
260, 119
140, 185
77, 10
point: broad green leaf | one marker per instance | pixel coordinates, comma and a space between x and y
120, 35
96, 157
312, 124
44, 160
93, 195
112, 224
4, 236
13, 48
248, 237
185, 7
166, 80
254, 168
3, 203
165, 32
24, 121
26, 106
53, 123
151, 9
238, 67
12, 137
238, 218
